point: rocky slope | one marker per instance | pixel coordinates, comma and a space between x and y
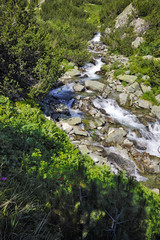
105, 116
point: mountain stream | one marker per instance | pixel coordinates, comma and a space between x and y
146, 137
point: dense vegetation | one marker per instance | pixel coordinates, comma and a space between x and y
53, 192
33, 48
149, 10
48, 189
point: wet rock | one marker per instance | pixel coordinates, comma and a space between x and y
78, 88
106, 92
127, 78
127, 143
94, 85
74, 121
93, 111
156, 111
100, 72
84, 76
123, 98
140, 146
137, 42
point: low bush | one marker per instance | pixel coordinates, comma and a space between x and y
52, 191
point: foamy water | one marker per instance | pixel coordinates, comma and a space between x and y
97, 37
65, 95
91, 69
150, 135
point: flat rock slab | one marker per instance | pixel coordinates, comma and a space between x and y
84, 149
74, 121
79, 131
94, 85
66, 127
133, 87
98, 159
78, 88
123, 98
115, 135
145, 88
144, 104
127, 78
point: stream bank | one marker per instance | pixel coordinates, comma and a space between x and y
106, 120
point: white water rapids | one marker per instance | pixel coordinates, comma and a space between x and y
150, 135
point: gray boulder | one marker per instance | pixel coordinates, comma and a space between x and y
137, 42
66, 127
84, 149
145, 88
123, 98
124, 17
144, 104
78, 88
127, 78
133, 87
94, 85
156, 111
78, 131
74, 121
115, 135
98, 159
140, 25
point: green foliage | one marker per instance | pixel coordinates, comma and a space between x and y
69, 23
120, 40
118, 72
53, 192
150, 97
110, 10
147, 67
94, 13
151, 11
29, 62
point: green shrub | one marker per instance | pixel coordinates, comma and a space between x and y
51, 188
150, 97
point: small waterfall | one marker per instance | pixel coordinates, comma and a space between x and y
96, 38
65, 95
150, 135
91, 69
